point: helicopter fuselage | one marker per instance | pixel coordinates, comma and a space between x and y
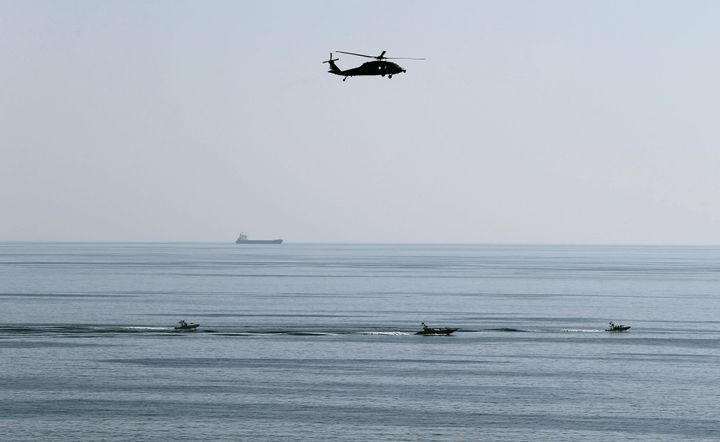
377, 67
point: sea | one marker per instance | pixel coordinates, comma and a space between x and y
318, 342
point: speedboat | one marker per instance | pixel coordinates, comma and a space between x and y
430, 331
617, 327
184, 326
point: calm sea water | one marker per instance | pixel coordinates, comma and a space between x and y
316, 342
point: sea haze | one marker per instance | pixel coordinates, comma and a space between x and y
316, 341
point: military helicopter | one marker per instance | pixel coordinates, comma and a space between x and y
377, 67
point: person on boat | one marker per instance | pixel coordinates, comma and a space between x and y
183, 323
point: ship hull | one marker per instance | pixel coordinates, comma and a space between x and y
259, 241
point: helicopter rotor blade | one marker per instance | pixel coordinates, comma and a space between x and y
359, 55
381, 56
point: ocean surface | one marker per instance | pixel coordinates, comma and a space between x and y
317, 342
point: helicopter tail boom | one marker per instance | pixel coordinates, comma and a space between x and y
334, 69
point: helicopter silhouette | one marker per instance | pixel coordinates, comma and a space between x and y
377, 67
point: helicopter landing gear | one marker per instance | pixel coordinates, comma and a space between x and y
389, 76
344, 78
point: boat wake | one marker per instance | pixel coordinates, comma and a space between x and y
90, 330
147, 328
75, 330
309, 333
274, 333
507, 329
581, 330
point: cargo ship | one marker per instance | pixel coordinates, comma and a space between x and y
243, 239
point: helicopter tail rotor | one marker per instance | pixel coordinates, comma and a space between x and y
331, 60
333, 67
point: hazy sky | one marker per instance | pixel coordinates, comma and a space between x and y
530, 122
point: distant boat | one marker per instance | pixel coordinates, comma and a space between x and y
242, 239
184, 326
429, 331
617, 327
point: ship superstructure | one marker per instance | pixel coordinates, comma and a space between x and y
243, 239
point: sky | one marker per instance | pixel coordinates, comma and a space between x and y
561, 121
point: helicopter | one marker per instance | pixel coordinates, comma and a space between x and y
377, 67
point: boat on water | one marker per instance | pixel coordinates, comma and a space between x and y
430, 331
243, 239
617, 327
184, 326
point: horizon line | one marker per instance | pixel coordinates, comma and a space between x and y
408, 243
